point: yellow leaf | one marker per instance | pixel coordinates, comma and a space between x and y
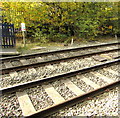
110, 27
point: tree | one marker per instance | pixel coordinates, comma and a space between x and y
59, 20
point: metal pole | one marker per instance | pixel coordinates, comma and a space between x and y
72, 41
116, 36
24, 42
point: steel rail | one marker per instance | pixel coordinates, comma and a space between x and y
68, 74
73, 101
16, 68
57, 51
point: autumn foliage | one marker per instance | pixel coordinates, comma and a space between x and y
57, 21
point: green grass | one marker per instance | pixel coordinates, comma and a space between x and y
27, 48
23, 49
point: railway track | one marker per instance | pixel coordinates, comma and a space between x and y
50, 68
71, 78
43, 97
25, 73
59, 55
22, 62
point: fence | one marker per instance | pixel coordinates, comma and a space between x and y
8, 37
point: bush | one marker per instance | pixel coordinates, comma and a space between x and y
39, 36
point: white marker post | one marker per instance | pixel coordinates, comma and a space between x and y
23, 29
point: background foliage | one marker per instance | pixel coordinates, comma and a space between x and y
57, 21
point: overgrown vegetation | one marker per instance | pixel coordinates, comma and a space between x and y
60, 21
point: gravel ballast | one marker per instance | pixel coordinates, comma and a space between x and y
41, 100
10, 106
16, 63
32, 60
103, 105
81, 84
109, 75
39, 97
116, 68
95, 79
49, 70
64, 91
